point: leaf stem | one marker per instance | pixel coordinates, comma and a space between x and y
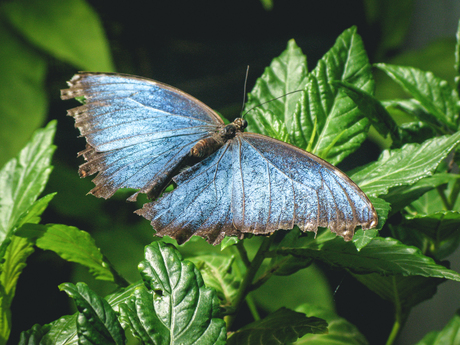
454, 193
248, 278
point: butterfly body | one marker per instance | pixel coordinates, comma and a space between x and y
143, 134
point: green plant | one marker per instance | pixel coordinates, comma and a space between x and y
414, 186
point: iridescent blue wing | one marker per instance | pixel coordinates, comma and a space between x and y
256, 184
138, 131
277, 186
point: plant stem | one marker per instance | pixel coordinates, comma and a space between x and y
445, 202
248, 278
398, 315
243, 253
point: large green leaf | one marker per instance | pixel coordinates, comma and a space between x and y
385, 256
23, 102
22, 179
433, 93
404, 166
176, 298
281, 327
97, 322
69, 30
286, 74
71, 244
448, 335
327, 122
340, 331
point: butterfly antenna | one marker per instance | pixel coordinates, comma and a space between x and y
244, 90
271, 100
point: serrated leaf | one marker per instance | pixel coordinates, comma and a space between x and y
340, 331
404, 166
433, 93
71, 244
184, 305
326, 119
286, 74
228, 242
22, 179
15, 257
373, 109
385, 256
23, 101
97, 322
448, 335
404, 291
218, 273
281, 327
51, 25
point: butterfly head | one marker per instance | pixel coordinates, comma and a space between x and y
228, 132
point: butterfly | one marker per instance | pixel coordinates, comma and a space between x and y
147, 135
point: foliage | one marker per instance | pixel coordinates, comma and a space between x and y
199, 299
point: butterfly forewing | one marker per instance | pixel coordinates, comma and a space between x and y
137, 130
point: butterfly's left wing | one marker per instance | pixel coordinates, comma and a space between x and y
256, 184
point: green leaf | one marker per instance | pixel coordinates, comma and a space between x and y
326, 119
60, 332
188, 309
433, 93
281, 327
139, 315
277, 86
23, 102
22, 179
385, 256
218, 273
400, 197
340, 331
439, 226
97, 322
448, 335
404, 166
405, 292
52, 24
373, 109
362, 238
15, 258
71, 244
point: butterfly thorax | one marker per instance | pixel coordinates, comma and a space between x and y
207, 146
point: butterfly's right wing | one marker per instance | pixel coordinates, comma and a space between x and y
137, 130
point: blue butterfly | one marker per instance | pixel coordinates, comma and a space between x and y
146, 135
